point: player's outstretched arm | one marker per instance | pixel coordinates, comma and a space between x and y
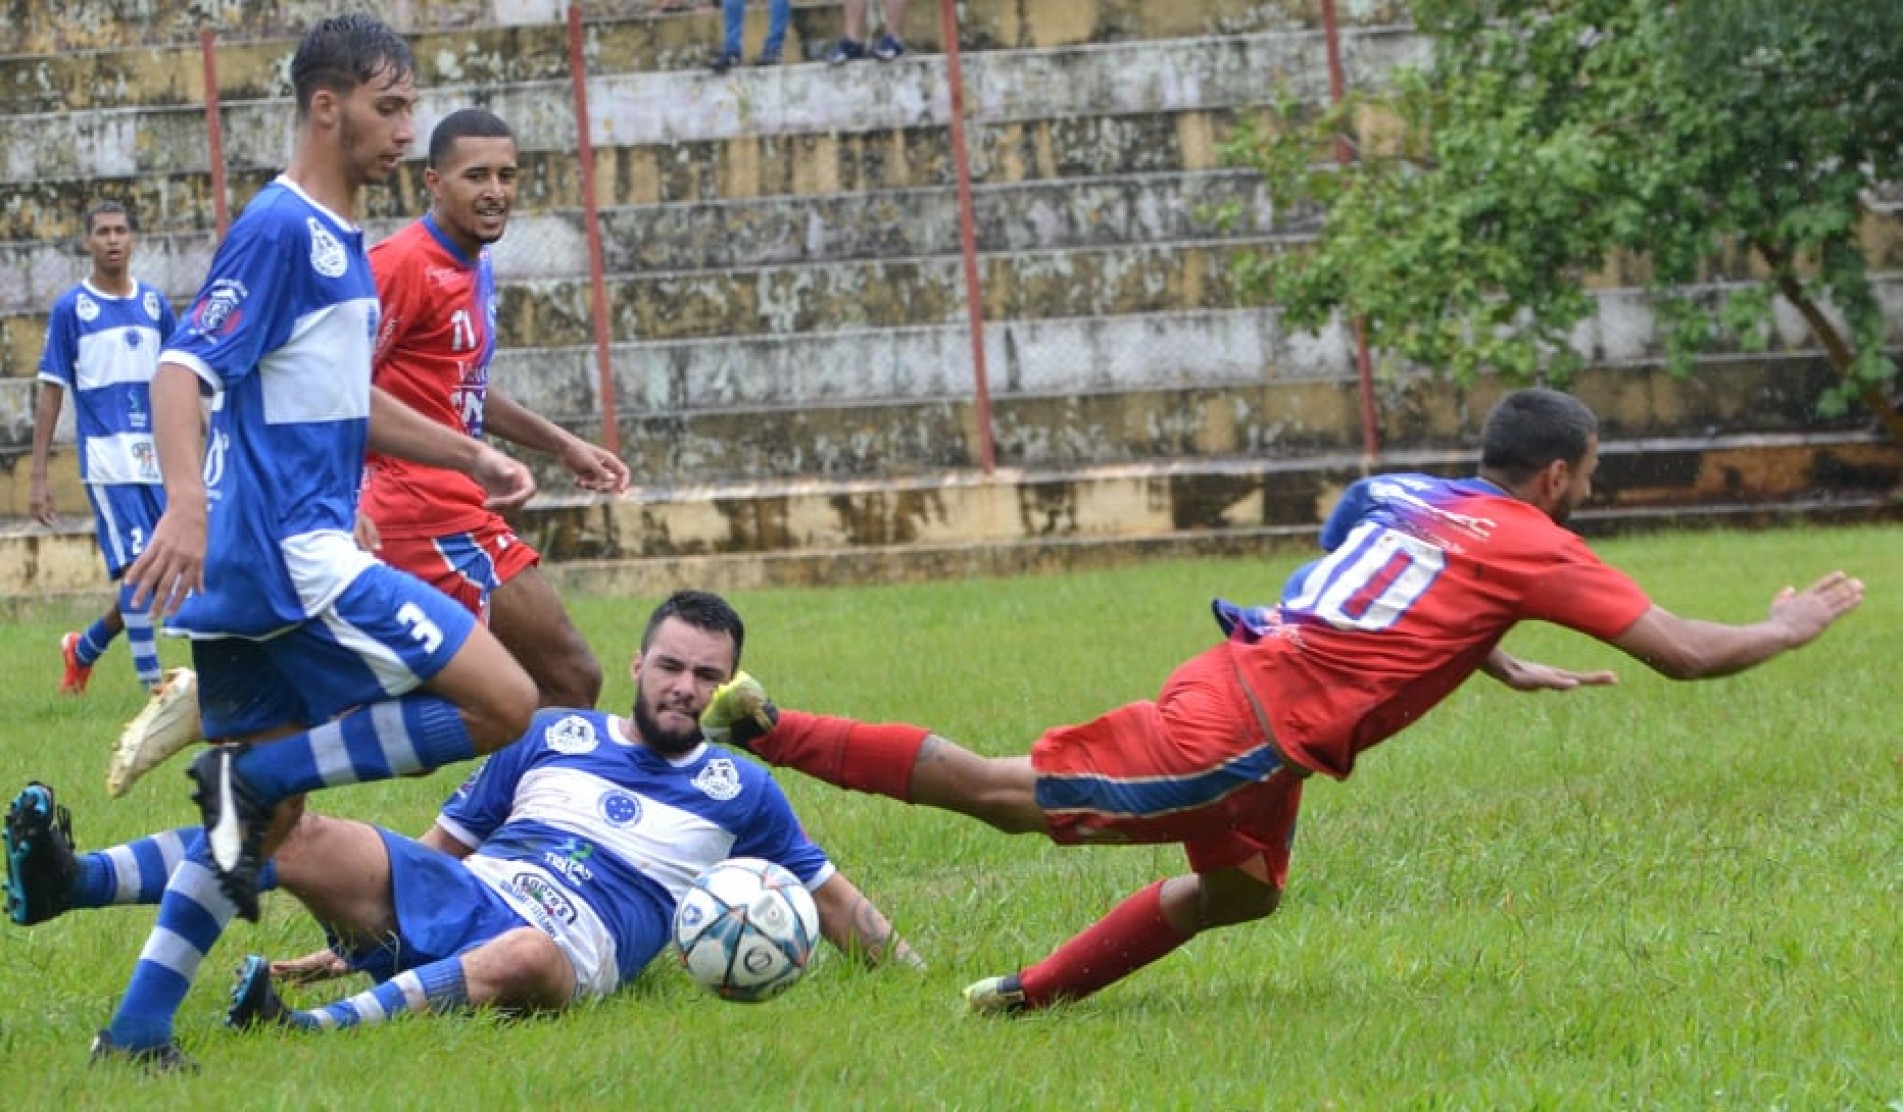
595, 469
173, 563
1531, 675
852, 924
397, 430
1691, 649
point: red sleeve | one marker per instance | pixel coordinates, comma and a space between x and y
1582, 592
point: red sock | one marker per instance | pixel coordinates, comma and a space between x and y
862, 756
1133, 935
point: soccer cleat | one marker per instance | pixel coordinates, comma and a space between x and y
739, 713
236, 821
845, 50
997, 996
254, 999
163, 1058
41, 867
167, 724
887, 48
77, 674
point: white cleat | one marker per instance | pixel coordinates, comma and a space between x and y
167, 725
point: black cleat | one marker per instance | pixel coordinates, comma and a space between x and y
41, 867
236, 821
254, 999
163, 1058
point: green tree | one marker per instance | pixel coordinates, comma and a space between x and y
1696, 142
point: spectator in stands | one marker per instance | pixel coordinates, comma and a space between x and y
853, 46
733, 15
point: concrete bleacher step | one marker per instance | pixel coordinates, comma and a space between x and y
77, 62
961, 523
1221, 72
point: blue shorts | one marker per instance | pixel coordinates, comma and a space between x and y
442, 909
124, 515
383, 637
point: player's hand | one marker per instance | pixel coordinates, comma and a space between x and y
40, 502
1806, 614
596, 469
507, 481
323, 965
365, 533
1533, 676
172, 566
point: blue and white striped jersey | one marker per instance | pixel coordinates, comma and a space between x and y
103, 349
283, 327
621, 829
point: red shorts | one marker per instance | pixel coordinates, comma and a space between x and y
1192, 767
467, 567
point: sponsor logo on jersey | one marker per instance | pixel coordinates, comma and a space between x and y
569, 860
86, 308
619, 808
573, 735
719, 780
152, 304
327, 255
145, 459
218, 311
544, 897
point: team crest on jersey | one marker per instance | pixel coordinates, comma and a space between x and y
327, 255
217, 312
86, 308
152, 304
720, 779
573, 735
619, 808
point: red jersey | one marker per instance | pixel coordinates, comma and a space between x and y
1423, 577
435, 336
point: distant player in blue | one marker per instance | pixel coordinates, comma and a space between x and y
551, 875
324, 666
102, 344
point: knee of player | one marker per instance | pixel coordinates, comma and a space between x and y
522, 968
574, 680
504, 714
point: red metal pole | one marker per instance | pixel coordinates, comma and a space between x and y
214, 129
1364, 365
968, 236
591, 226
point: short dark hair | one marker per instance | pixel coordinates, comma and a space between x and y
702, 610
105, 208
346, 51
1531, 428
464, 123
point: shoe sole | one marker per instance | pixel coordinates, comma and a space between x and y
76, 678
167, 724
17, 836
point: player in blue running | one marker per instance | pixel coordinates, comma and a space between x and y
102, 344
319, 664
551, 875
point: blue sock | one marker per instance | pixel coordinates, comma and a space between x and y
193, 913
383, 740
138, 871
140, 638
93, 643
436, 987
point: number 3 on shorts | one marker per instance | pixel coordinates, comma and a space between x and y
421, 627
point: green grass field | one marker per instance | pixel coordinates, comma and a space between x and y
1651, 896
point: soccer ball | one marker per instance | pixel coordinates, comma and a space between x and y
745, 929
